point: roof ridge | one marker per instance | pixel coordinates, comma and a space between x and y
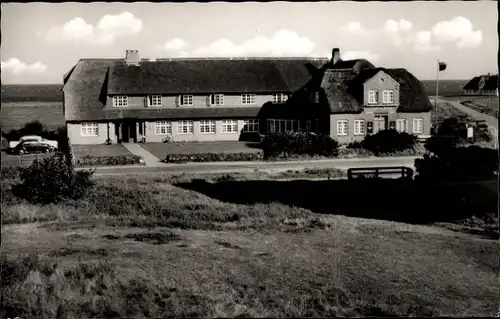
237, 58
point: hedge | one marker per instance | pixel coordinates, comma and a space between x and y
109, 160
284, 144
213, 157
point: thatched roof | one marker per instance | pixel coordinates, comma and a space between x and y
346, 96
91, 80
336, 94
490, 83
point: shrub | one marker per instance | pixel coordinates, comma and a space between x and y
471, 163
9, 172
389, 141
51, 180
284, 144
108, 160
213, 157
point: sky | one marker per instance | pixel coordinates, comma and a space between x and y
42, 41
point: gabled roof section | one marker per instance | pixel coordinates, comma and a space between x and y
412, 95
490, 84
83, 89
202, 76
339, 100
473, 84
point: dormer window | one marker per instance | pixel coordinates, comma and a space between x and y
388, 96
372, 97
186, 100
216, 99
279, 98
154, 100
120, 101
248, 99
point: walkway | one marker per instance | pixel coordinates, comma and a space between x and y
149, 159
492, 121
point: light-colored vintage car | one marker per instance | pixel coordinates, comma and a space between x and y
13, 144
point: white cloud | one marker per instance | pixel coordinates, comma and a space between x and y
352, 28
351, 55
458, 30
175, 44
282, 43
105, 32
397, 26
15, 66
423, 42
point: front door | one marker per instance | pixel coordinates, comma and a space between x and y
379, 124
129, 132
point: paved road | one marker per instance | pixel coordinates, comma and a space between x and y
492, 122
407, 161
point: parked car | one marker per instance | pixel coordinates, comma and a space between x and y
33, 146
13, 144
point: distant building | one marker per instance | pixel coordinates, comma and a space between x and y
486, 85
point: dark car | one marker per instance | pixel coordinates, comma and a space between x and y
32, 146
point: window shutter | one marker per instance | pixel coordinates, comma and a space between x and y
369, 127
208, 100
146, 104
392, 125
221, 99
178, 100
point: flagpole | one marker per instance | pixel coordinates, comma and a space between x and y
436, 100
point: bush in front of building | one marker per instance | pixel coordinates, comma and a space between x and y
109, 160
51, 180
214, 157
287, 144
389, 141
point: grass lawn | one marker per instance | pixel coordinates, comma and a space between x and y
157, 247
21, 160
100, 150
160, 150
15, 115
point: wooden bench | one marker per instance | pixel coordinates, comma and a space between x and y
376, 172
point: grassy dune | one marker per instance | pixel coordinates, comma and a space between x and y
144, 247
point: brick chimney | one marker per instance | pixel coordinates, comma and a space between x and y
335, 55
132, 57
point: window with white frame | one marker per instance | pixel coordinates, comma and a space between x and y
388, 96
280, 98
120, 101
418, 126
372, 97
359, 127
89, 129
248, 99
185, 127
154, 100
186, 100
217, 99
207, 127
342, 128
163, 127
281, 125
229, 126
251, 126
401, 125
